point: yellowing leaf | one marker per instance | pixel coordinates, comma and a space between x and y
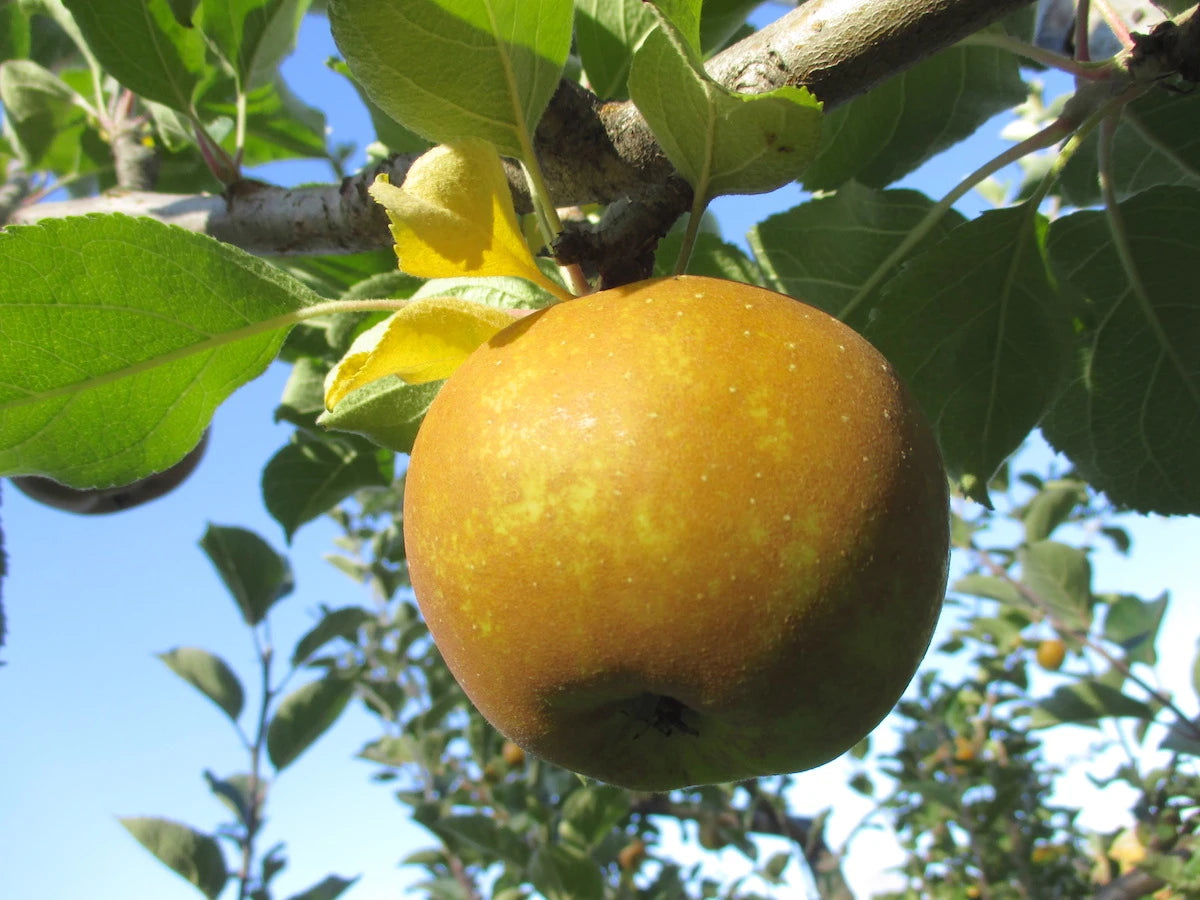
454, 216
425, 341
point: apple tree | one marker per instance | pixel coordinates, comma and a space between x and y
527, 152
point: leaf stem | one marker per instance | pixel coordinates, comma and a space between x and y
1078, 68
1053, 132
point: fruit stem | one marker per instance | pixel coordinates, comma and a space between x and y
695, 218
548, 221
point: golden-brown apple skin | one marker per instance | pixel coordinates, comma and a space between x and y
683, 532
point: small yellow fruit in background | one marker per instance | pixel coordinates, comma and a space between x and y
513, 755
681, 532
1050, 654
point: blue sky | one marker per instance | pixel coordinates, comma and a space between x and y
97, 727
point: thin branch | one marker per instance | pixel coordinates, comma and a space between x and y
591, 151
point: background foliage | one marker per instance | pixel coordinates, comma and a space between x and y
1069, 307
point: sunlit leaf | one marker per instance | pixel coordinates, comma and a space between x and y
454, 69
425, 341
454, 216
387, 411
121, 336
721, 141
142, 44
253, 36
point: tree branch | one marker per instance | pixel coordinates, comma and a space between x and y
591, 151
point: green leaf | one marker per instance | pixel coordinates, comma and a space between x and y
976, 328
46, 118
989, 586
1183, 737
387, 411
14, 31
194, 856
486, 835
253, 36
590, 814
1133, 624
1049, 508
310, 475
1060, 576
343, 623
234, 792
823, 251
304, 715
388, 131
721, 141
121, 336
502, 292
183, 10
561, 874
255, 575
1156, 142
607, 32
454, 69
210, 675
721, 20
889, 131
1086, 703
684, 18
326, 889
143, 46
279, 125
1130, 420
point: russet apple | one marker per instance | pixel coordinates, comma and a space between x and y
681, 532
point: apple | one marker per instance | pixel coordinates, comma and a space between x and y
1050, 653
680, 532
